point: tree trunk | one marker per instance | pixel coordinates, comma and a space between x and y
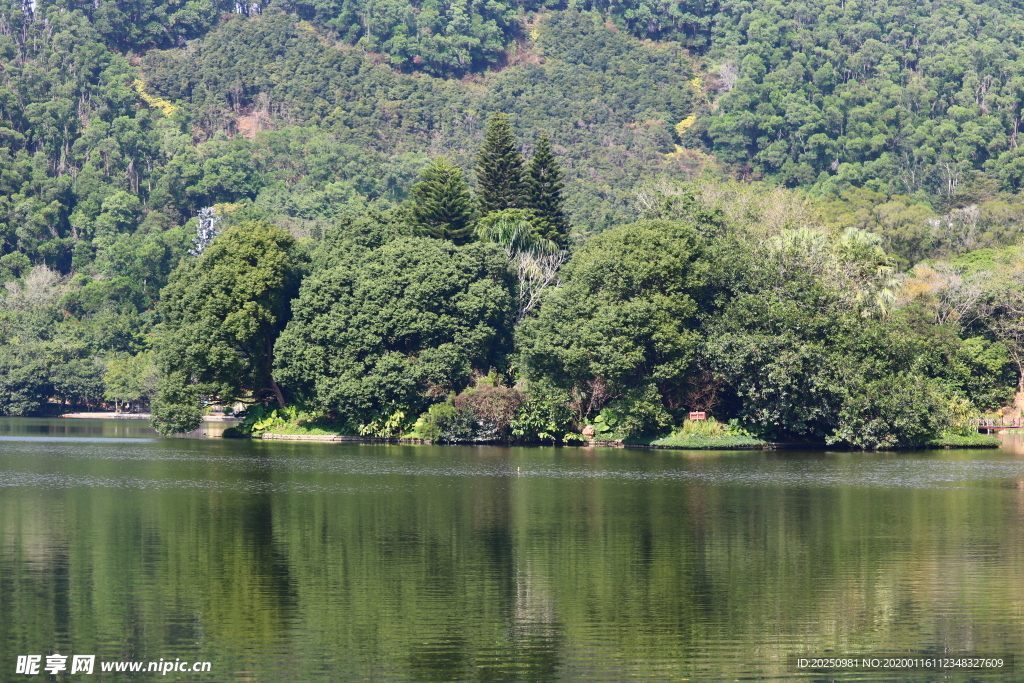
277, 392
270, 367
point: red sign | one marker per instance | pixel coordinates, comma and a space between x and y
699, 416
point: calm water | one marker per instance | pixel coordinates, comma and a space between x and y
322, 562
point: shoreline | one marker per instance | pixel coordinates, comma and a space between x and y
769, 446
339, 438
106, 416
140, 416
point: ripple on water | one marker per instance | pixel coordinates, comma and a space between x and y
465, 462
510, 564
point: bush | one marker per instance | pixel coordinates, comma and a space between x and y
705, 428
445, 422
953, 440
707, 434
543, 415
900, 411
493, 409
483, 413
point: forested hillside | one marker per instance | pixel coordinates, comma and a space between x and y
878, 140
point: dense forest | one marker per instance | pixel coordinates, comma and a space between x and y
480, 221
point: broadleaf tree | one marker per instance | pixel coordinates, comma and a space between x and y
623, 328
378, 339
223, 312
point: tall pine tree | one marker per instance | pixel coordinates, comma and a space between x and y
499, 169
544, 194
441, 203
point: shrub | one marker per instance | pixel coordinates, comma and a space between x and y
899, 411
445, 422
493, 409
483, 413
543, 415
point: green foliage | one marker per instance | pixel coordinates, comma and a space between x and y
396, 329
605, 423
442, 39
130, 379
23, 380
710, 443
886, 97
440, 205
700, 434
336, 127
352, 236
640, 410
385, 426
71, 136
260, 418
13, 266
543, 415
898, 411
797, 356
72, 376
177, 407
499, 169
517, 230
54, 331
709, 427
961, 417
624, 325
485, 412
954, 440
445, 422
900, 120
544, 187
223, 312
913, 229
140, 24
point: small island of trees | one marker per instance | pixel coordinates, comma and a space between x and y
453, 318
509, 221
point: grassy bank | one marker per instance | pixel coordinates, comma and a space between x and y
691, 435
701, 435
698, 442
961, 441
307, 429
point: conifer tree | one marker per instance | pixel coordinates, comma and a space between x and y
499, 169
441, 205
544, 193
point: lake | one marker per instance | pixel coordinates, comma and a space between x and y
277, 561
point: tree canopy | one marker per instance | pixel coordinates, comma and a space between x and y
499, 169
623, 326
223, 312
829, 195
440, 204
377, 339
544, 187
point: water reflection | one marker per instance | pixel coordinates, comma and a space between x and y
307, 562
